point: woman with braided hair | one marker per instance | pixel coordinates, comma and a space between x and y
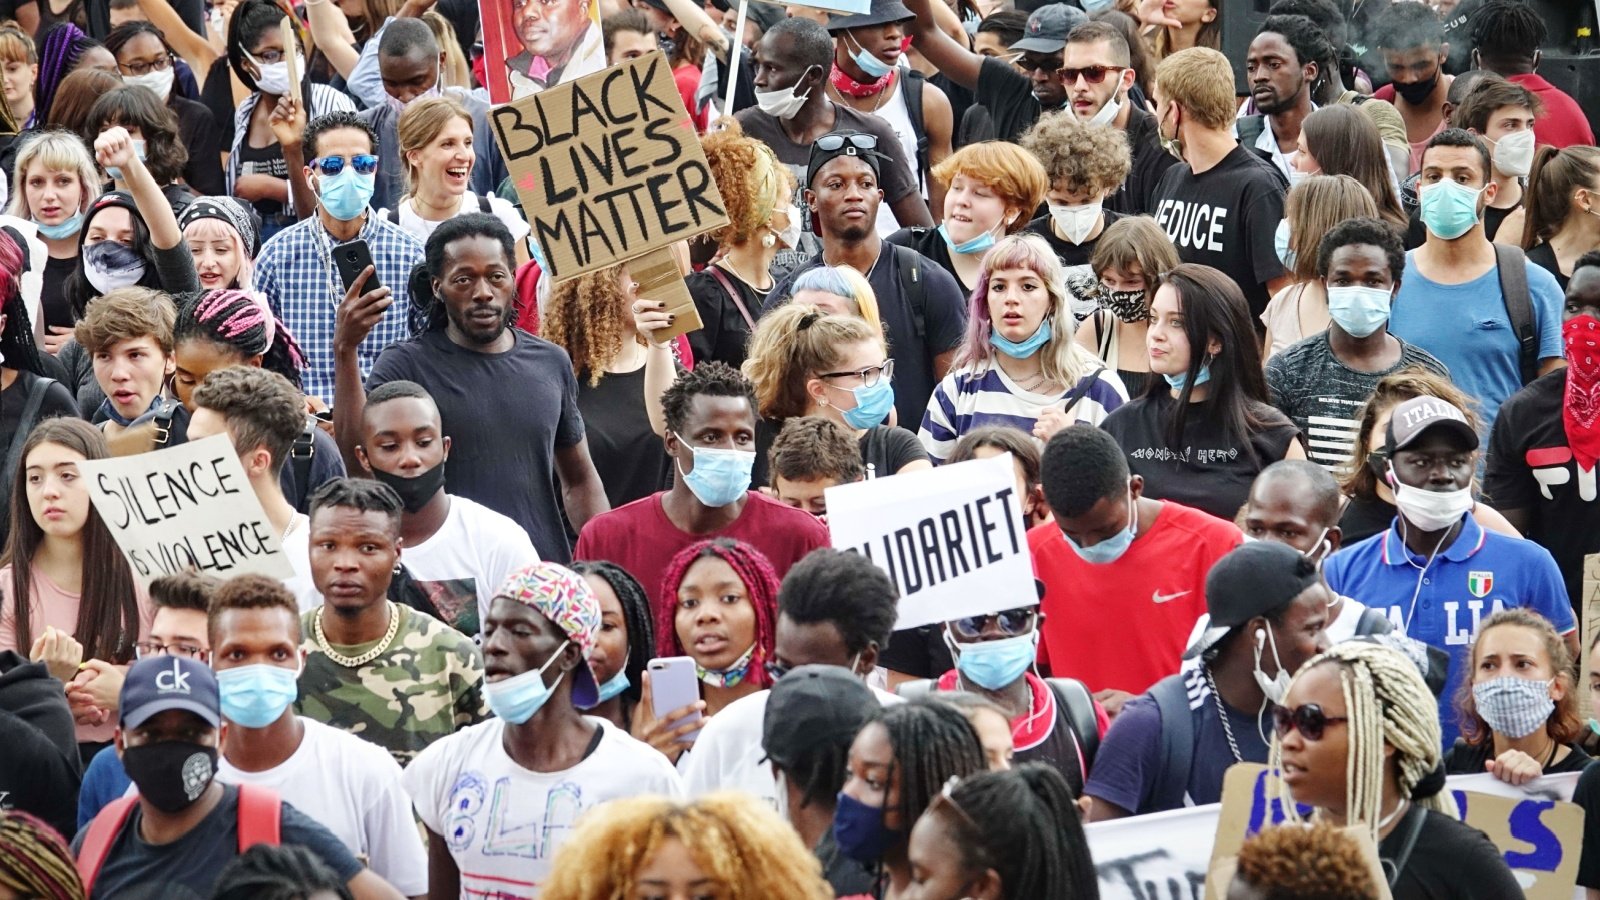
898, 764
723, 616
625, 641
35, 861
1002, 836
1358, 739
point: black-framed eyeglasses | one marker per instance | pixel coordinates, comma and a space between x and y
831, 142
268, 57
1030, 64
1308, 719
145, 67
1011, 622
1090, 74
147, 649
869, 376
363, 163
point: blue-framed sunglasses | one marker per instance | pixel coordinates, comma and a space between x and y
363, 163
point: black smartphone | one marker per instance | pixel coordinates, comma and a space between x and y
350, 259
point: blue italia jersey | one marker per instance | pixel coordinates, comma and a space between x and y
1476, 577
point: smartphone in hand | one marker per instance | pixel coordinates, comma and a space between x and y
350, 259
674, 685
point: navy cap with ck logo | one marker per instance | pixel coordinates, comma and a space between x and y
160, 683
1047, 28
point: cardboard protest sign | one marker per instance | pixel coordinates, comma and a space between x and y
182, 507
660, 279
951, 538
1154, 857
533, 45
608, 167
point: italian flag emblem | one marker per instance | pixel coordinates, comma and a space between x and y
1480, 583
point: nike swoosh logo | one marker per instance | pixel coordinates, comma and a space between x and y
1159, 597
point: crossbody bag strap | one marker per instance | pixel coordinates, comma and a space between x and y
733, 294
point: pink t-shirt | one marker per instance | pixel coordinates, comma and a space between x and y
49, 605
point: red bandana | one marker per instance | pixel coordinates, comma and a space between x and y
1581, 410
854, 88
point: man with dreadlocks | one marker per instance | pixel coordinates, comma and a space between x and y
1506, 37
34, 861
508, 400
1357, 739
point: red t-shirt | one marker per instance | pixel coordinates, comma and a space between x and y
1125, 624
640, 538
687, 79
1562, 124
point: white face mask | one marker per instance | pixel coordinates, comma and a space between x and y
1276, 687
790, 235
783, 104
1107, 112
274, 77
1076, 221
1430, 510
158, 80
1513, 154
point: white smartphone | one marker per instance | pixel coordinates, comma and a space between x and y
673, 685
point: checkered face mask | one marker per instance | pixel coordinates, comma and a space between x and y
1514, 707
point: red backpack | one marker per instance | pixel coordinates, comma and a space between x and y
260, 814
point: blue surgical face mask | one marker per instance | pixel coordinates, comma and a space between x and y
994, 664
1280, 243
1360, 311
979, 244
1449, 210
871, 65
859, 831
517, 698
873, 403
60, 232
1093, 6
719, 477
1111, 549
345, 196
255, 696
1020, 349
1176, 382
613, 686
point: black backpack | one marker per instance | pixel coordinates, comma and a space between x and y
1072, 696
913, 91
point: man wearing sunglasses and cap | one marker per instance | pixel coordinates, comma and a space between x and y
1435, 572
1169, 748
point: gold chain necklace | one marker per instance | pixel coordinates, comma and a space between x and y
351, 662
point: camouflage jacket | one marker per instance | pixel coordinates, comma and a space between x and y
427, 685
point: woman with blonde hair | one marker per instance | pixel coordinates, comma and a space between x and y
455, 72
1313, 207
19, 69
725, 845
1357, 739
1174, 26
437, 159
838, 290
991, 191
758, 194
805, 362
1018, 364
55, 183
1129, 259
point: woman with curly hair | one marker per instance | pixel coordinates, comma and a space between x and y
1519, 707
1357, 740
992, 188
1288, 863
723, 615
757, 191
1086, 165
625, 642
725, 845
621, 373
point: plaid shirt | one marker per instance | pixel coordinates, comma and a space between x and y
296, 272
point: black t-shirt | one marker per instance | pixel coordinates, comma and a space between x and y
1225, 218
1530, 467
1587, 796
724, 334
188, 867
1008, 95
1364, 517
502, 454
1450, 861
930, 243
944, 316
1545, 256
1209, 472
1069, 253
1136, 197
626, 451
201, 137
918, 652
1469, 759
52, 294
886, 450
216, 92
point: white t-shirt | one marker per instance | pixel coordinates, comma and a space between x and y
423, 228
297, 546
353, 788
728, 756
503, 823
468, 558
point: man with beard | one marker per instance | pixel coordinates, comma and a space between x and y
559, 43
1281, 65
508, 400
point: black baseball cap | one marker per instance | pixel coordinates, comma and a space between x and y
811, 707
1411, 419
161, 683
1252, 580
1047, 28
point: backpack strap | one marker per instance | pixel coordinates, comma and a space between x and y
1373, 621
912, 87
101, 833
1080, 389
260, 816
1171, 695
733, 294
1102, 328
1250, 128
1513, 267
483, 204
162, 422
913, 287
394, 214
1078, 704
301, 454
13, 457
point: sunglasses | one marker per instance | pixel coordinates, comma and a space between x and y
1309, 720
831, 142
1091, 74
363, 163
1012, 622
1030, 64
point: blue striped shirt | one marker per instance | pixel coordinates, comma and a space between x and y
976, 396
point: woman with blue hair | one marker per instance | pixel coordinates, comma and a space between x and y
838, 290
